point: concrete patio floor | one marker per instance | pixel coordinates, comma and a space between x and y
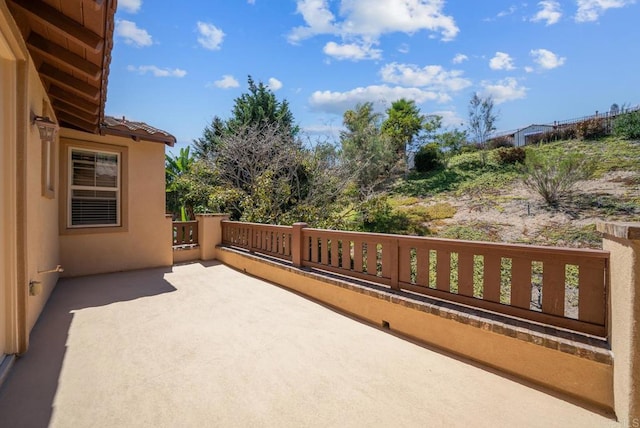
205, 345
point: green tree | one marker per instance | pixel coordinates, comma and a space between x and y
403, 124
260, 107
451, 142
209, 143
176, 167
366, 151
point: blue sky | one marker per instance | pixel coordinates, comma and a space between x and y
175, 65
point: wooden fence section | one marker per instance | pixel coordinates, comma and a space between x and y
274, 241
559, 286
185, 233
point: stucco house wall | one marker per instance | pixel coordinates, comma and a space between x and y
145, 237
41, 213
28, 219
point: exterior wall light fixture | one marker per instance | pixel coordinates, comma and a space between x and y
46, 127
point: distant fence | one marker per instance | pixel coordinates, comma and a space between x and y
606, 117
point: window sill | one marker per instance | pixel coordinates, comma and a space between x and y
93, 230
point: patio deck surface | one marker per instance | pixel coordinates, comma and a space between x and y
205, 345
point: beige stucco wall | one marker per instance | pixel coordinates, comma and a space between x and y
30, 233
625, 325
41, 212
145, 241
582, 378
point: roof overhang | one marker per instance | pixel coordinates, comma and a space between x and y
70, 42
137, 131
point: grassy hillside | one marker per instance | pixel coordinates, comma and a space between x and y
471, 199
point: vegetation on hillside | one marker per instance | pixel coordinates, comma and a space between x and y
255, 167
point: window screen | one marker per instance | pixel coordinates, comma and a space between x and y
95, 189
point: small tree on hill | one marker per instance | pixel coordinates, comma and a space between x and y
482, 118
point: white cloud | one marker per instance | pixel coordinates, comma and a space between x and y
251, 1
549, 11
590, 10
507, 12
504, 90
274, 84
404, 48
227, 82
322, 132
433, 77
380, 95
459, 58
157, 71
501, 61
368, 19
131, 34
528, 69
318, 18
510, 11
546, 59
131, 6
210, 36
450, 119
352, 51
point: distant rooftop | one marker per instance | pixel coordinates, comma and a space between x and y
136, 130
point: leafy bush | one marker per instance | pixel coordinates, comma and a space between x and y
591, 129
498, 142
465, 161
377, 215
511, 155
470, 148
553, 175
440, 211
428, 158
627, 125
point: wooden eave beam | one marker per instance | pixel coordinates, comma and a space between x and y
77, 122
52, 52
59, 105
61, 23
72, 99
69, 82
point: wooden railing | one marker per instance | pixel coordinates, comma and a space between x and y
274, 241
185, 233
563, 287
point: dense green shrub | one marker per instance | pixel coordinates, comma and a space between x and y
470, 148
591, 129
428, 158
627, 125
553, 175
376, 215
511, 156
498, 142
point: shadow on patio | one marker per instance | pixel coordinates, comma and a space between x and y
205, 345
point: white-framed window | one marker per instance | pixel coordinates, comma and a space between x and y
94, 188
